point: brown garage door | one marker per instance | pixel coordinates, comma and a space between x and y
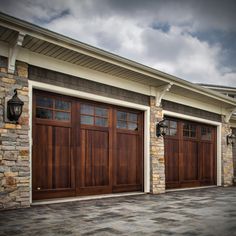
82, 147
190, 154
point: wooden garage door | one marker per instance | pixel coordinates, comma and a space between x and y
190, 154
82, 147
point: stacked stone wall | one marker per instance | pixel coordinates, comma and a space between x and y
227, 157
14, 140
157, 173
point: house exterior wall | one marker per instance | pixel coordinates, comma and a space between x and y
80, 84
191, 111
14, 141
15, 147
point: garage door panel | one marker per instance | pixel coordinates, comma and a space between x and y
126, 159
42, 161
51, 160
207, 161
190, 161
95, 158
172, 160
62, 161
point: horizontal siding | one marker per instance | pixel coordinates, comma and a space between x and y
72, 82
191, 111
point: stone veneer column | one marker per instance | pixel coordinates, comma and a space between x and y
157, 168
14, 141
227, 157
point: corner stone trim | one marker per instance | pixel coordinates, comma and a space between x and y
14, 141
157, 178
227, 157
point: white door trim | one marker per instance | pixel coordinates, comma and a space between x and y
205, 121
98, 98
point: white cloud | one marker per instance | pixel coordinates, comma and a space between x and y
125, 28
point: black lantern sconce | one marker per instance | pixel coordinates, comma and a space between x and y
14, 108
231, 139
161, 128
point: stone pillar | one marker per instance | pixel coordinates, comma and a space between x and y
14, 140
227, 157
157, 168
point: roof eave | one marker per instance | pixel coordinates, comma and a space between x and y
37, 31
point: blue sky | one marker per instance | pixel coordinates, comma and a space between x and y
192, 39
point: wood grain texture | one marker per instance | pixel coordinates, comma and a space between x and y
71, 159
190, 161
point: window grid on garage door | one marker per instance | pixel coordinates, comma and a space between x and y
53, 109
93, 115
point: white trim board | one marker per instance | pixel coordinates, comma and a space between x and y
98, 98
192, 188
84, 198
205, 121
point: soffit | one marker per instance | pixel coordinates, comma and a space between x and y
52, 50
196, 96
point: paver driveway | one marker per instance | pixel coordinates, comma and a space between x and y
197, 212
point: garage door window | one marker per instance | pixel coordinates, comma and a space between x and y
206, 133
189, 130
127, 120
172, 127
52, 109
93, 115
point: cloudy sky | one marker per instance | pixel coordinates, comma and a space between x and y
192, 39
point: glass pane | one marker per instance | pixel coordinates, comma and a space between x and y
205, 133
192, 127
133, 117
87, 109
121, 125
172, 132
43, 113
186, 133
132, 126
101, 111
62, 105
87, 120
101, 122
186, 126
121, 115
44, 102
192, 134
62, 115
173, 124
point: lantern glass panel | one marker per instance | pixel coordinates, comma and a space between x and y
17, 110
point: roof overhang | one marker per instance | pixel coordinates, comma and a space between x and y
45, 42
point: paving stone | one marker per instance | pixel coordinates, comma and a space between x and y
197, 212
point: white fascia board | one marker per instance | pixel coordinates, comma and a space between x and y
193, 103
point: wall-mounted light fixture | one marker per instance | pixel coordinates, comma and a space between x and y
161, 128
14, 108
231, 139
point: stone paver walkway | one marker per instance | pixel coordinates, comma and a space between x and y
196, 212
